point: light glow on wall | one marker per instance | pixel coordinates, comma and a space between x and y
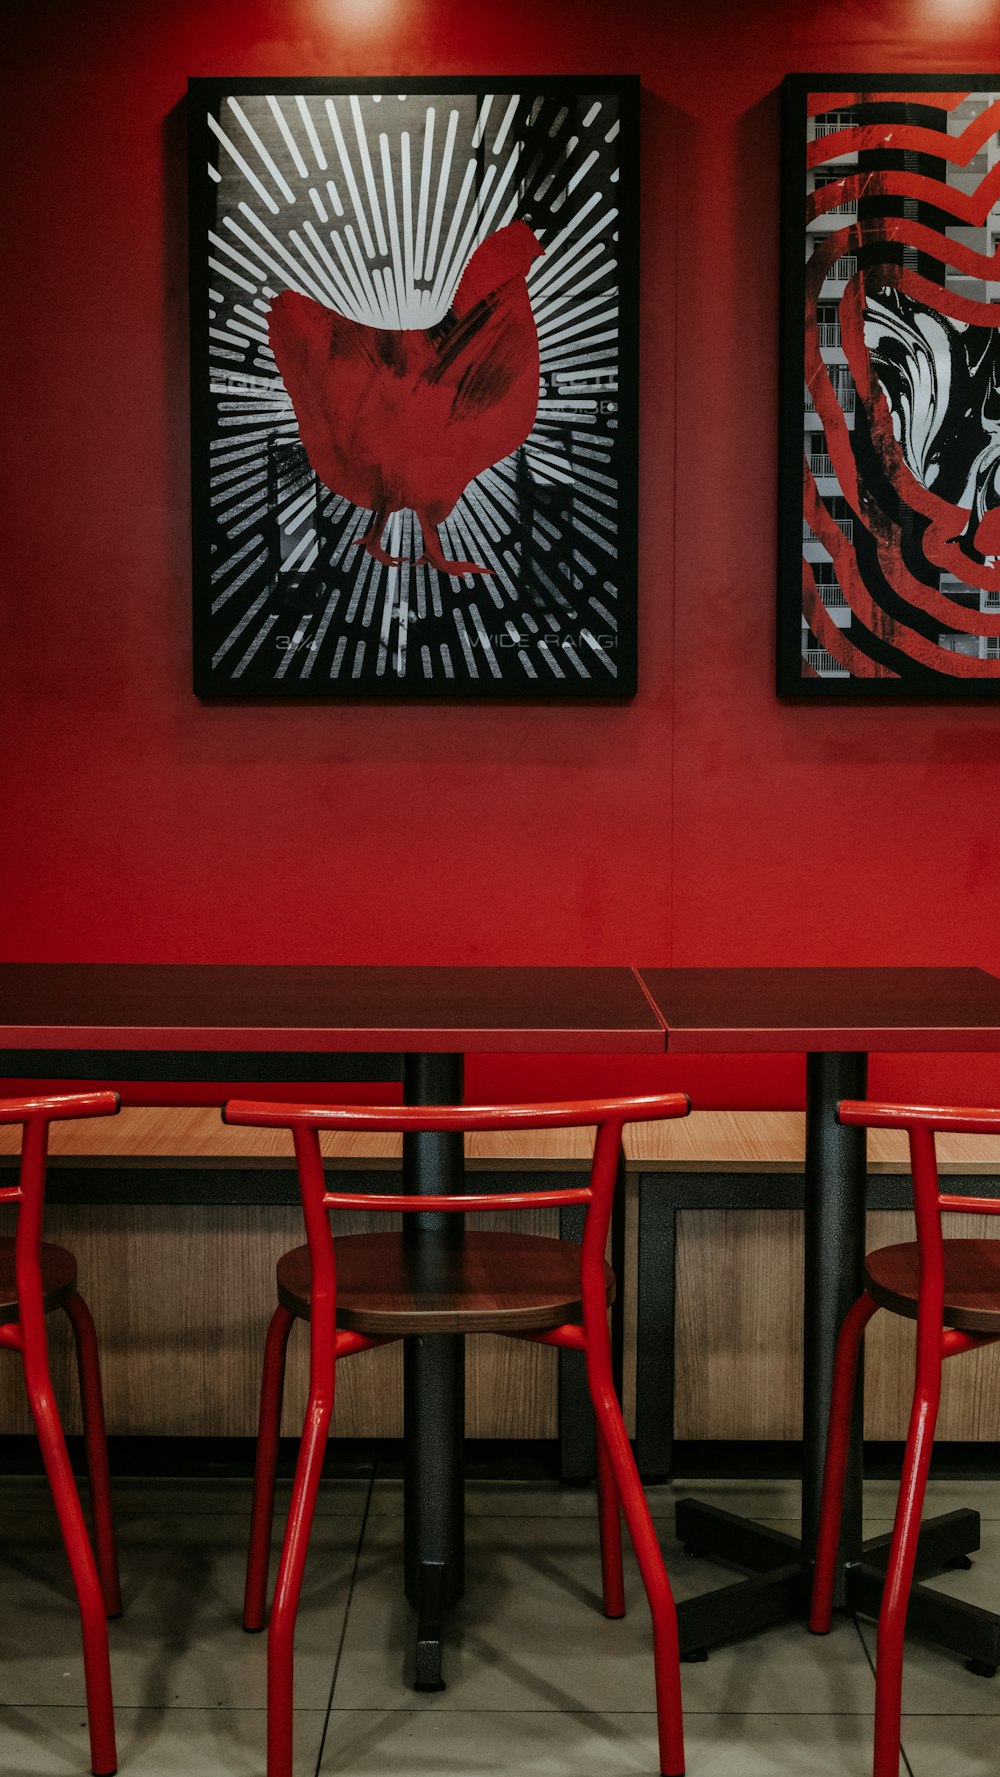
951, 12
362, 15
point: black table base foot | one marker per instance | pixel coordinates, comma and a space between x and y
705, 1530
779, 1586
945, 1542
776, 1590
430, 1608
946, 1622
743, 1608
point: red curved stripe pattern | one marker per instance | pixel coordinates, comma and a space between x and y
820, 102
898, 543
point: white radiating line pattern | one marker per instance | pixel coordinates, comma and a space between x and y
250, 266
247, 617
366, 166
481, 121
289, 139
549, 337
294, 644
352, 184
319, 634
444, 282
333, 291
442, 192
508, 118
310, 129
425, 185
406, 218
245, 168
265, 629
561, 255
397, 250
388, 215
334, 276
300, 278
546, 327
252, 137
599, 275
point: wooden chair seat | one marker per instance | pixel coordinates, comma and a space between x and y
971, 1282
485, 1283
58, 1279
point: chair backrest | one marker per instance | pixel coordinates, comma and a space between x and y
922, 1123
34, 1115
609, 1115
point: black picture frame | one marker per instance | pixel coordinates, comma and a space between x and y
289, 596
889, 582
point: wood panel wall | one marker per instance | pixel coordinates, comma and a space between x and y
739, 1335
182, 1295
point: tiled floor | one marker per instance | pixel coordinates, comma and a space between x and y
539, 1683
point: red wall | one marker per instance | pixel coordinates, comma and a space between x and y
703, 823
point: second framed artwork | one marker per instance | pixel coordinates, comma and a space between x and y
414, 387
890, 405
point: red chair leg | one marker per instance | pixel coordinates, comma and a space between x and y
899, 1571
272, 1390
666, 1652
837, 1445
96, 1666
610, 1521
281, 1634
96, 1446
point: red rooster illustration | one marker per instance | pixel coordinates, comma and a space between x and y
394, 418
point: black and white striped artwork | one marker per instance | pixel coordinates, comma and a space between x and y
414, 387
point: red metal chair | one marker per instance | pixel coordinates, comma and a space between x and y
362, 1290
951, 1288
36, 1279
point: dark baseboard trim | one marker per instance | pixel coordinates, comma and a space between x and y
529, 1459
232, 1458
767, 1460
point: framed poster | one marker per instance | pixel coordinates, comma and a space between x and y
890, 400
414, 387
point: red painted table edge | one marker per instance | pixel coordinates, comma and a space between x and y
708, 1039
339, 1041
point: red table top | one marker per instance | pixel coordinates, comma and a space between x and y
333, 1008
788, 1010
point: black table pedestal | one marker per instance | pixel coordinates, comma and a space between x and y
778, 1566
433, 1382
947, 1622
780, 1582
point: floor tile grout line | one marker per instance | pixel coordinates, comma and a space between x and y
218, 1710
706, 1713
867, 1653
855, 1619
367, 1512
347, 1612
